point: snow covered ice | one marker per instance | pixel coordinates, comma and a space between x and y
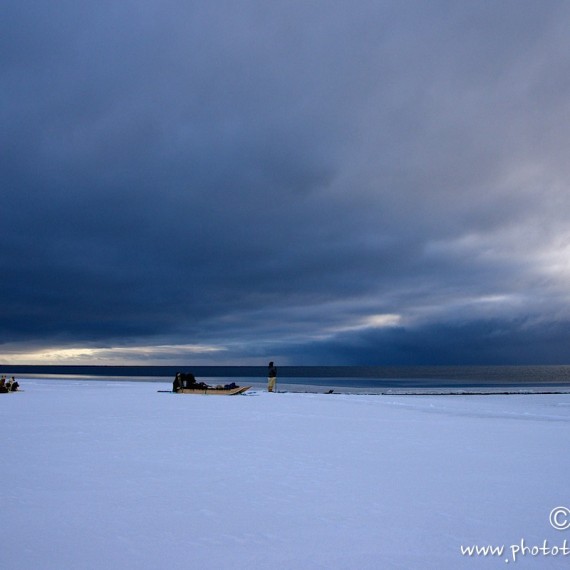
115, 475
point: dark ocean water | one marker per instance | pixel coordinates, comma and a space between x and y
375, 377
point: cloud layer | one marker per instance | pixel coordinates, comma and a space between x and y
313, 182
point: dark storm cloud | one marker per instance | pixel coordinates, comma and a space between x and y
264, 177
493, 342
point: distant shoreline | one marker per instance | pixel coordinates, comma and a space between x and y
333, 387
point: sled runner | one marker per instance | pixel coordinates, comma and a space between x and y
210, 390
215, 391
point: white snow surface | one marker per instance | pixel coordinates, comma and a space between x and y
114, 475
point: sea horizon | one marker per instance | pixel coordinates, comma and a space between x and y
420, 376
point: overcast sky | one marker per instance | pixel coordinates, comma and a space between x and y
312, 182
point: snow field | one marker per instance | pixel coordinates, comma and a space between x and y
113, 474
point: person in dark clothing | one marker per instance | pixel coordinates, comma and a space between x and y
177, 384
187, 380
271, 377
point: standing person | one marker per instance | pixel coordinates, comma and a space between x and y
177, 384
271, 377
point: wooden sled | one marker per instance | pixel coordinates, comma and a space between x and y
215, 391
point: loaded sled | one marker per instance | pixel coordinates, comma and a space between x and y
185, 383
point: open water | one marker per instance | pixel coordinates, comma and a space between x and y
348, 378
